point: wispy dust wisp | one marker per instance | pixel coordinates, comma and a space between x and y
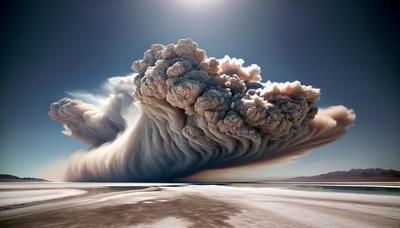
183, 112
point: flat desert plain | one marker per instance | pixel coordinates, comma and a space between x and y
191, 205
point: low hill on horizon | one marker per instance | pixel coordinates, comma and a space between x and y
372, 174
12, 178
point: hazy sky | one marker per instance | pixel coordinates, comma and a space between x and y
349, 49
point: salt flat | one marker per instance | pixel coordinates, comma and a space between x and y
188, 205
13, 197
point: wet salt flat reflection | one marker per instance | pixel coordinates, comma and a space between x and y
206, 205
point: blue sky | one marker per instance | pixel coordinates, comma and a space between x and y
349, 49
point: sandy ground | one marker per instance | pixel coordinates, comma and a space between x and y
157, 205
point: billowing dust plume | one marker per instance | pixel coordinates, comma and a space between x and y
183, 112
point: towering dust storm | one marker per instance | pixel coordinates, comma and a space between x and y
183, 112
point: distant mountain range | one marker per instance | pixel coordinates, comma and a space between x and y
12, 178
353, 175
